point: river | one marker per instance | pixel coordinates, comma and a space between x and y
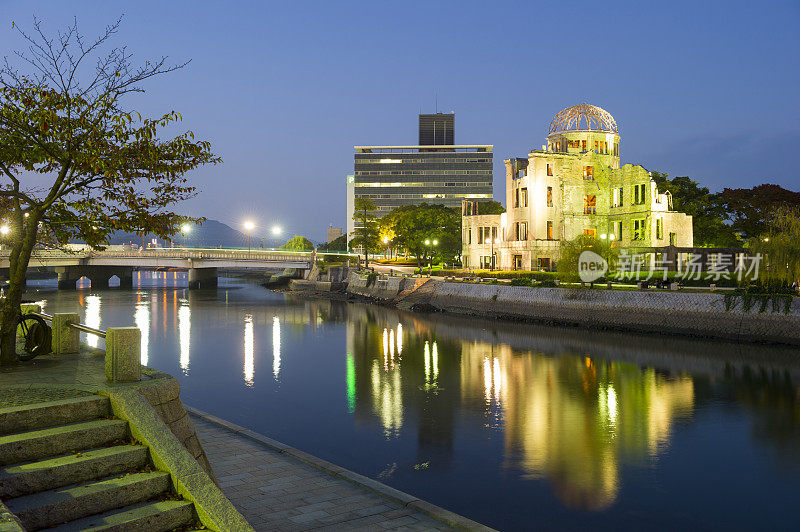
514, 425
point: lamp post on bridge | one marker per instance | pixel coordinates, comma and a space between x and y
185, 228
276, 232
249, 226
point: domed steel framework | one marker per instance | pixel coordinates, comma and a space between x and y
583, 117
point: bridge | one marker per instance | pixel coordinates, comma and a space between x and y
121, 261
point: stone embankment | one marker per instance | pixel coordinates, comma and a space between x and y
683, 313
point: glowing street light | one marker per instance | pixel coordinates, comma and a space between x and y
4, 230
249, 226
276, 232
185, 228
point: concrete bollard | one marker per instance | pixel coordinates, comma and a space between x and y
66, 340
123, 354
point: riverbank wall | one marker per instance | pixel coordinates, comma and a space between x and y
649, 311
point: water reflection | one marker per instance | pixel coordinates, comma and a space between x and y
249, 351
184, 334
142, 320
93, 318
276, 347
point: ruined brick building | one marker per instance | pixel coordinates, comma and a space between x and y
573, 186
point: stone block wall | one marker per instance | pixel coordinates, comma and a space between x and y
647, 311
163, 394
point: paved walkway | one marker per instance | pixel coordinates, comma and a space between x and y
274, 491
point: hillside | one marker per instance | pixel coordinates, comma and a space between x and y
212, 233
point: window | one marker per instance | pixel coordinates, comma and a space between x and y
522, 231
517, 262
639, 194
591, 233
486, 262
549, 170
544, 262
589, 204
558, 146
549, 230
494, 233
673, 239
659, 228
617, 197
524, 197
618, 234
569, 144
549, 196
520, 174
638, 229
516, 197
583, 145
596, 146
588, 172
469, 236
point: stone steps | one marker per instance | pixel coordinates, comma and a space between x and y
61, 505
154, 516
54, 441
32, 477
53, 413
64, 464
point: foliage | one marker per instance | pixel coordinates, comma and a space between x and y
490, 207
75, 163
337, 244
571, 250
780, 246
521, 281
706, 209
757, 296
749, 209
415, 224
367, 235
298, 243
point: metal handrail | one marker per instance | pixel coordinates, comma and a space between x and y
79, 326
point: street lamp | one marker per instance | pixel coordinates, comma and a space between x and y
276, 231
185, 228
4, 230
249, 226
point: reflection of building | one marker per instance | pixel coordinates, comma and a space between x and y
573, 420
573, 186
436, 171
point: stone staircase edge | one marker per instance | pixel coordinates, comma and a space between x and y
189, 479
407, 500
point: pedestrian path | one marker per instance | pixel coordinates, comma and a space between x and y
275, 491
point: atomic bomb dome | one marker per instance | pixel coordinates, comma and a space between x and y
583, 117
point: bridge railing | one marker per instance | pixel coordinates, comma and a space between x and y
186, 253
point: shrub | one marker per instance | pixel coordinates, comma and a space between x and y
521, 281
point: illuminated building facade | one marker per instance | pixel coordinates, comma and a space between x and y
436, 171
573, 186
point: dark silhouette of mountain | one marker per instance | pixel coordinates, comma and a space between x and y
211, 234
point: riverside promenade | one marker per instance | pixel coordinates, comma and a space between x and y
276, 487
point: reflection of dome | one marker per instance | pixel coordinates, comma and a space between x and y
583, 117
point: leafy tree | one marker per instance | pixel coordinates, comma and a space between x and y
74, 163
337, 244
298, 243
571, 250
780, 245
706, 209
416, 224
367, 235
749, 208
490, 207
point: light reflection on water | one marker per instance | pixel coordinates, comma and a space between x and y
590, 429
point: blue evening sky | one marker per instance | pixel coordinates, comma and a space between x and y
283, 90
